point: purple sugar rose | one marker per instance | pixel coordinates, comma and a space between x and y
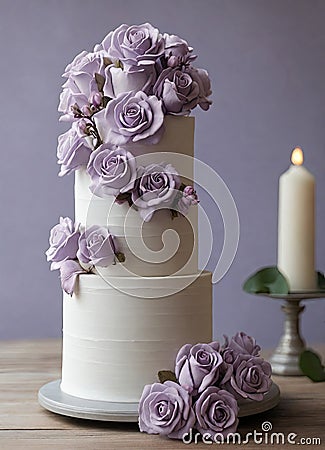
63, 242
189, 191
97, 247
251, 377
136, 46
166, 409
81, 84
69, 271
73, 151
112, 171
228, 355
201, 77
177, 53
181, 90
189, 198
198, 366
70, 97
85, 63
216, 411
156, 187
175, 46
242, 343
118, 81
131, 118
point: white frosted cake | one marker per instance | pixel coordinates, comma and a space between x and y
115, 343
133, 294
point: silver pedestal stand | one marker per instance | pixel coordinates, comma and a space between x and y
285, 359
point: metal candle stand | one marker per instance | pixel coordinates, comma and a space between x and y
285, 359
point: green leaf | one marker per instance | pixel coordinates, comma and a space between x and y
120, 257
311, 366
268, 280
125, 197
173, 213
107, 61
320, 281
100, 81
166, 375
106, 100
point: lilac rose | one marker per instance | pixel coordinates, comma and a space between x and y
156, 187
97, 247
175, 46
85, 63
135, 46
216, 411
198, 366
112, 171
242, 343
118, 81
181, 90
63, 242
81, 84
73, 151
131, 118
166, 409
201, 77
189, 198
177, 53
251, 377
228, 355
69, 272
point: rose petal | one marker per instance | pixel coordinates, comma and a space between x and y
69, 271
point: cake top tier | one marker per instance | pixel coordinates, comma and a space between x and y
117, 98
120, 92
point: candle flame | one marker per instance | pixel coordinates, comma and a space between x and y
297, 156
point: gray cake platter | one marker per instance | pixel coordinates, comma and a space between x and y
53, 399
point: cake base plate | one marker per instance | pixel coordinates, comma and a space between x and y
53, 399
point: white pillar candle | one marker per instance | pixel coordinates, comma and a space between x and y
296, 225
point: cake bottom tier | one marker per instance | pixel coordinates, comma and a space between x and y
115, 340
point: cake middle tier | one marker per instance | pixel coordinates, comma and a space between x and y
162, 246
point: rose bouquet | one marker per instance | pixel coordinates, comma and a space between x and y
119, 94
75, 252
203, 392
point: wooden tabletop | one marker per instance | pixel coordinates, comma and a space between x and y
26, 365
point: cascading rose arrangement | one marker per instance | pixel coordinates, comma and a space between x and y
203, 392
114, 96
119, 94
115, 99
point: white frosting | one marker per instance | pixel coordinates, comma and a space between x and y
115, 343
119, 329
163, 246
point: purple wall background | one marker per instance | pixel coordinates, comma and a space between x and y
266, 61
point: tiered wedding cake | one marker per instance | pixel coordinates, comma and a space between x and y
128, 263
